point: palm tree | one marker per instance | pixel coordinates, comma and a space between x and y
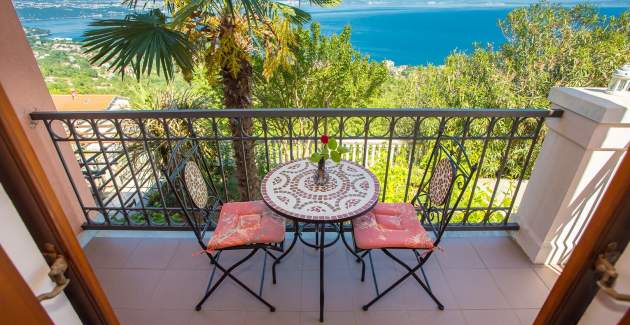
222, 35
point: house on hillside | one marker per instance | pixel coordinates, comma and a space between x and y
97, 163
87, 102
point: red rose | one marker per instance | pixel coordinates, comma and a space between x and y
324, 139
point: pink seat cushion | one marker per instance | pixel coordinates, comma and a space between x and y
391, 225
245, 223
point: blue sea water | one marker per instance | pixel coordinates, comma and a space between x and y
403, 34
415, 36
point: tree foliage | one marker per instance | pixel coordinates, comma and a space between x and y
327, 72
546, 46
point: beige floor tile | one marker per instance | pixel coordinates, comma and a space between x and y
522, 287
153, 316
416, 298
231, 296
285, 294
458, 253
436, 317
338, 290
275, 318
379, 260
490, 317
293, 260
526, 316
364, 292
180, 289
330, 318
129, 288
335, 258
188, 256
500, 252
141, 292
475, 289
380, 317
152, 253
217, 317
110, 252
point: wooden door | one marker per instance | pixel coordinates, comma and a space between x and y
19, 305
607, 233
25, 182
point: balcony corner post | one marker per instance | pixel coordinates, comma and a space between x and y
579, 156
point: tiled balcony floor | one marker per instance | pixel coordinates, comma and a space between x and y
480, 280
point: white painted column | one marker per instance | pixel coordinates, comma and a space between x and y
580, 154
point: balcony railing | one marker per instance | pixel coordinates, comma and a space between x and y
120, 154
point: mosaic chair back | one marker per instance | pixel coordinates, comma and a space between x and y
443, 185
188, 177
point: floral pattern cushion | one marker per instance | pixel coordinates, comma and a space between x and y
244, 223
391, 225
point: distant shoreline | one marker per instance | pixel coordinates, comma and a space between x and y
349, 8
406, 35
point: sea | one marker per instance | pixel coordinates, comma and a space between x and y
403, 31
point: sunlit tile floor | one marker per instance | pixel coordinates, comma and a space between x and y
480, 280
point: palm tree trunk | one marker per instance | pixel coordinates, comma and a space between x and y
237, 93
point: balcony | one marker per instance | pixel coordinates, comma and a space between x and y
151, 276
120, 154
94, 178
502, 253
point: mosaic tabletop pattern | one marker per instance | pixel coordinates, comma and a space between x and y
290, 190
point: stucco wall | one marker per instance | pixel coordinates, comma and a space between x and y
22, 82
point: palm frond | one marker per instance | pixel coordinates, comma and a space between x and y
141, 41
134, 4
325, 3
192, 7
294, 14
254, 8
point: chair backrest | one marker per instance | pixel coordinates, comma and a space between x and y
443, 184
189, 178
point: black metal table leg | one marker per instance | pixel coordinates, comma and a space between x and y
322, 232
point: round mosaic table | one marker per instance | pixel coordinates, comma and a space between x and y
290, 191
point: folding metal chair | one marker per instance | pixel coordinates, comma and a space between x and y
239, 225
396, 225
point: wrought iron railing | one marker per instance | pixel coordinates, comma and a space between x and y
120, 154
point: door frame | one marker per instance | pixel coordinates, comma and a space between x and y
27, 185
575, 288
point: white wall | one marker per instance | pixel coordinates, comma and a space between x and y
579, 156
23, 252
26, 91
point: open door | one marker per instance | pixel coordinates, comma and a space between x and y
26, 184
26, 273
33, 193
17, 298
600, 259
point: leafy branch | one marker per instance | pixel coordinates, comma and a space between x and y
330, 149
